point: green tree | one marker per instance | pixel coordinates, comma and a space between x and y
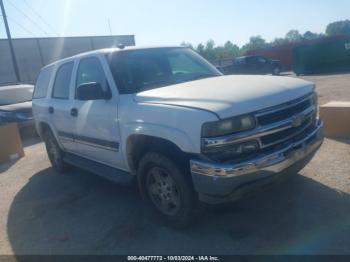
220, 52
231, 50
209, 52
338, 28
279, 41
308, 35
200, 49
186, 44
255, 42
293, 36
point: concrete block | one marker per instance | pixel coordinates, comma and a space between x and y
336, 117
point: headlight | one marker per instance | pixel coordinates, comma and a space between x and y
228, 126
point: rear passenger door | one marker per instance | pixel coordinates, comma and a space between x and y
60, 104
96, 125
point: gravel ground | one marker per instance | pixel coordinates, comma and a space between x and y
331, 87
44, 212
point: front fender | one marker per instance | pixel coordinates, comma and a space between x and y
174, 135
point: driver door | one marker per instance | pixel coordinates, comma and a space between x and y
97, 132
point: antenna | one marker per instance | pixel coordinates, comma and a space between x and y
109, 25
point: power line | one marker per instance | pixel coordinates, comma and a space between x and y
41, 18
25, 15
21, 26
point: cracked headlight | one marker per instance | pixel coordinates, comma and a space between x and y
228, 126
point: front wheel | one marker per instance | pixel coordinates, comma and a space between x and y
276, 70
167, 189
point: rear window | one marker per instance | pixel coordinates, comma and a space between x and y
62, 81
42, 83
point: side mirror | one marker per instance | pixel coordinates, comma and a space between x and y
92, 91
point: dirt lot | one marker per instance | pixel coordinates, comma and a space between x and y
43, 212
334, 87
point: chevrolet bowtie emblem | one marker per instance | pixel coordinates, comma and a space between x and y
297, 120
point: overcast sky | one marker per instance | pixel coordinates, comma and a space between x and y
162, 22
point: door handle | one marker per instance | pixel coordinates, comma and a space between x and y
74, 112
51, 110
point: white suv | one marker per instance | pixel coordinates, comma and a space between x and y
168, 118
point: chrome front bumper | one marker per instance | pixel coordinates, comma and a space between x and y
222, 182
274, 162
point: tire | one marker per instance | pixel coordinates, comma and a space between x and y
54, 152
276, 71
167, 189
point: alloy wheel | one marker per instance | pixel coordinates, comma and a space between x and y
163, 191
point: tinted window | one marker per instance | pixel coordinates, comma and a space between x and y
252, 60
90, 70
137, 70
262, 60
42, 83
239, 61
62, 81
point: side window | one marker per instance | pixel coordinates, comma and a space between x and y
62, 81
90, 70
42, 83
262, 60
252, 60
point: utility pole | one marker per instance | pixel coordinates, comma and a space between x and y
14, 61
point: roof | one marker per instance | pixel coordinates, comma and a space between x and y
108, 50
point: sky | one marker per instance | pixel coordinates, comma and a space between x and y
169, 22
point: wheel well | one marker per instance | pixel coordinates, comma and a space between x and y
139, 145
43, 127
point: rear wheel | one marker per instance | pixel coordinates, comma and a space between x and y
276, 70
167, 189
54, 152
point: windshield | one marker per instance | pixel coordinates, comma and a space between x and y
139, 70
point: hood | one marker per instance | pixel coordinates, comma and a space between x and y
24, 107
229, 96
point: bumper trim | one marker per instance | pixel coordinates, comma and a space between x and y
274, 162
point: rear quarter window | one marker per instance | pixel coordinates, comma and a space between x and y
42, 83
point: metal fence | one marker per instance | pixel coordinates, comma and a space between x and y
34, 53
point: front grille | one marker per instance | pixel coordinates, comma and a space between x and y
276, 128
283, 113
277, 137
286, 112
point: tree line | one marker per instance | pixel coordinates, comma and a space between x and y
229, 50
